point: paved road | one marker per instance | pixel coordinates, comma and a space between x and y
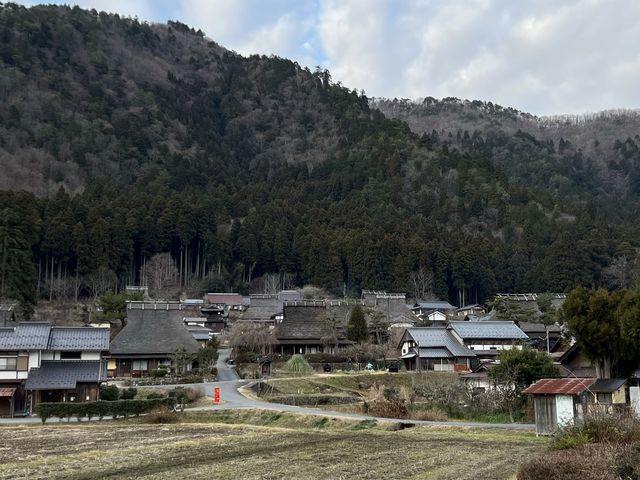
231, 398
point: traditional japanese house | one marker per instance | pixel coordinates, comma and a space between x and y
308, 329
150, 338
42, 363
434, 348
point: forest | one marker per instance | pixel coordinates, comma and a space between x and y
132, 151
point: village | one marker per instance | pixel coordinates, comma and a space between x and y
166, 342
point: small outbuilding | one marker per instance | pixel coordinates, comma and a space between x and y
558, 402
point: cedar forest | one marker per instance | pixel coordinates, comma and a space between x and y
121, 140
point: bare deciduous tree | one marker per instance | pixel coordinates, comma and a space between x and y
251, 337
159, 273
421, 283
275, 282
100, 281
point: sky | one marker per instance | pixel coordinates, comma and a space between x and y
540, 56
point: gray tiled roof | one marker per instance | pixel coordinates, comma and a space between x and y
434, 305
436, 337
504, 330
158, 332
199, 333
25, 336
79, 338
65, 374
42, 336
435, 353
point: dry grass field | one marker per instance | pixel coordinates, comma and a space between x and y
260, 445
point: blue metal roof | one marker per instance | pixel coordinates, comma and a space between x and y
79, 338
503, 330
25, 336
65, 374
436, 337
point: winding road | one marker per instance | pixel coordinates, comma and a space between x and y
231, 399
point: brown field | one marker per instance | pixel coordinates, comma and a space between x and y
260, 445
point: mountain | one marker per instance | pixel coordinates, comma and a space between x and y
122, 140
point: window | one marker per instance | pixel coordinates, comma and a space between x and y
141, 365
8, 363
604, 397
70, 355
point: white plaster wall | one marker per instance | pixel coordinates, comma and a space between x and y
48, 355
564, 409
90, 356
634, 395
34, 360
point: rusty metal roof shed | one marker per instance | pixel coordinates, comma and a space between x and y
559, 386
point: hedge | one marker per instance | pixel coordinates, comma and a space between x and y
101, 408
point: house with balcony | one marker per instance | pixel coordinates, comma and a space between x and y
43, 363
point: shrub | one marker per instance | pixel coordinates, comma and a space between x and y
155, 396
591, 462
193, 394
387, 402
100, 409
599, 429
161, 414
159, 372
128, 393
298, 365
109, 393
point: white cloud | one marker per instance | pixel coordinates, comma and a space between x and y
542, 56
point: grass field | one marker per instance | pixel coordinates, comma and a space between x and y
260, 445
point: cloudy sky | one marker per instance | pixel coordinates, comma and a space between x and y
540, 56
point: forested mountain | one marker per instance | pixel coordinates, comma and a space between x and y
121, 140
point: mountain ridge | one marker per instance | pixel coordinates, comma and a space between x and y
136, 140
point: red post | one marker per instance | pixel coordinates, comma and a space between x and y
216, 395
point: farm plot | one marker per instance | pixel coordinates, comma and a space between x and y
333, 449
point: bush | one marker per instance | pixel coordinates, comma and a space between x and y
161, 414
110, 393
387, 402
128, 393
599, 429
193, 394
159, 372
591, 462
101, 408
298, 365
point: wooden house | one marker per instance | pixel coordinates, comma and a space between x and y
308, 329
231, 301
434, 348
433, 310
474, 309
43, 363
149, 339
488, 339
558, 402
574, 363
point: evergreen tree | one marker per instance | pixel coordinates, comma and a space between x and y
357, 327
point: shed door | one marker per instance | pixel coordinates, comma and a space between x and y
545, 406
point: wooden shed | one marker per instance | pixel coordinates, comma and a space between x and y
558, 402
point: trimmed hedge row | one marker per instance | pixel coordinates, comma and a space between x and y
101, 408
